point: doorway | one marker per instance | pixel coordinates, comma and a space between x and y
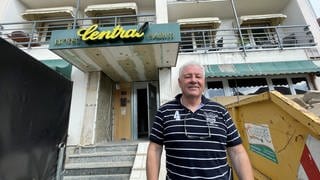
144, 108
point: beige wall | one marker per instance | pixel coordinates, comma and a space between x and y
122, 114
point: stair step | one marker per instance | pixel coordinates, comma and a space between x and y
105, 148
104, 161
99, 177
102, 157
98, 165
98, 168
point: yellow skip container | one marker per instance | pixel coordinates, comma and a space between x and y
281, 137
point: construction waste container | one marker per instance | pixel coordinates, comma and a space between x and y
281, 137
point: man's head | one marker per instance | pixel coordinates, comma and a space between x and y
191, 79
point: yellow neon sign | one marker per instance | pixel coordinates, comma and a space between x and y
91, 33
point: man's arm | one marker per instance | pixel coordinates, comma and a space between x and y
153, 161
240, 162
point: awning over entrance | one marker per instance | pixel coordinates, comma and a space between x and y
47, 13
212, 22
123, 53
260, 69
273, 19
111, 9
60, 66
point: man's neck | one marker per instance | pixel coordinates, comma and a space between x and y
192, 103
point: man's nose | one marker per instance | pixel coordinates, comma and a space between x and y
194, 79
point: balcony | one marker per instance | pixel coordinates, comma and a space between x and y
250, 39
31, 34
37, 34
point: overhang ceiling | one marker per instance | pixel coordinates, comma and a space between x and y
123, 63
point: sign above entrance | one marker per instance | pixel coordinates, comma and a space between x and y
94, 36
92, 33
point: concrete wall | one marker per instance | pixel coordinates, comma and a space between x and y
10, 11
294, 14
90, 111
78, 102
311, 19
104, 110
161, 11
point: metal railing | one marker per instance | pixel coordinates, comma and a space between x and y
38, 33
254, 39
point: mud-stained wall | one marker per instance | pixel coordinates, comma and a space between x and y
87, 136
103, 126
122, 111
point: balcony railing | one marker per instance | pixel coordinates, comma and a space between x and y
253, 39
38, 33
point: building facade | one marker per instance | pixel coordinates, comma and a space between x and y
124, 57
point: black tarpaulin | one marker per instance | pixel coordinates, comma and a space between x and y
34, 112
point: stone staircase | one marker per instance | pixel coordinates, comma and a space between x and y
110, 161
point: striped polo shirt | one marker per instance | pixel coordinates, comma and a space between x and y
195, 142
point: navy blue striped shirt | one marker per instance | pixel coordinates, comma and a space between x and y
195, 142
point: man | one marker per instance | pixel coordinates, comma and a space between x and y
197, 134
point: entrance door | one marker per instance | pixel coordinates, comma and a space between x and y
145, 105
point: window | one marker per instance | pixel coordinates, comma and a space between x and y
197, 38
300, 85
113, 21
215, 88
53, 27
45, 32
248, 86
203, 39
258, 35
186, 44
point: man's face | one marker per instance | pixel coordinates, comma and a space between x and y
192, 81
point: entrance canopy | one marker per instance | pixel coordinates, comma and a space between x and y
261, 69
60, 66
124, 53
272, 19
47, 13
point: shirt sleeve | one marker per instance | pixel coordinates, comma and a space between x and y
233, 136
156, 134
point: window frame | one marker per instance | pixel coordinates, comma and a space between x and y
199, 35
228, 92
44, 29
251, 38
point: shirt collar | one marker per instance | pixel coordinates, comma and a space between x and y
204, 100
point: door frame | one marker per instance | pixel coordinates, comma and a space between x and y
134, 105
